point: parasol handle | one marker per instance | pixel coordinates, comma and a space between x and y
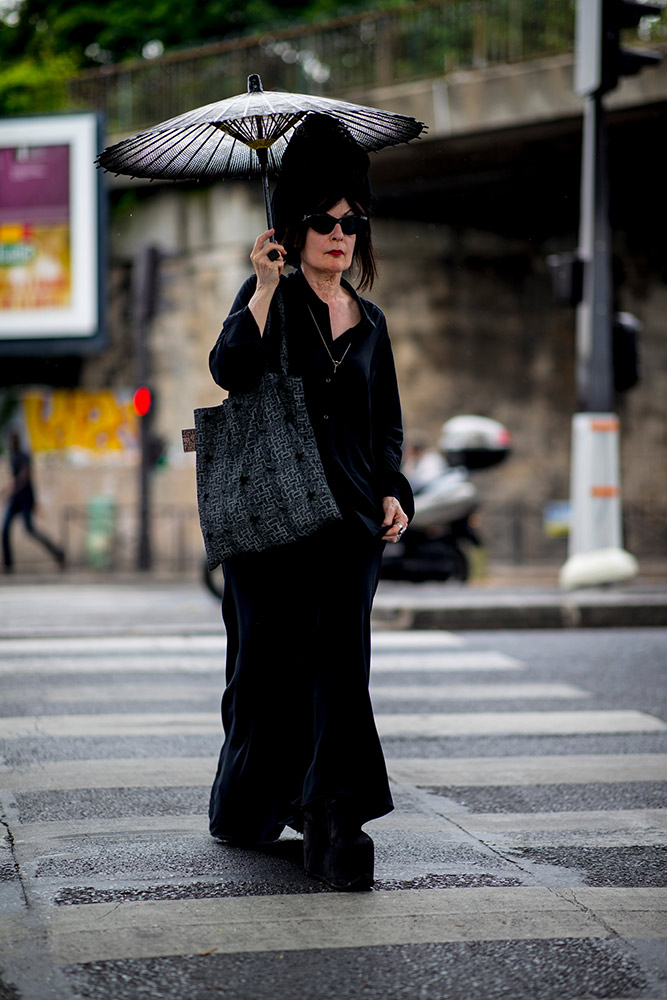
262, 156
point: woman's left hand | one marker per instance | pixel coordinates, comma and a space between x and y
395, 520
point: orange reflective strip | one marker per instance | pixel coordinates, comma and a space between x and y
610, 424
604, 492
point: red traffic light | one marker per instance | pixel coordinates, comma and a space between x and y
141, 402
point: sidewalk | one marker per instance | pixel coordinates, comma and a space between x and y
508, 598
523, 597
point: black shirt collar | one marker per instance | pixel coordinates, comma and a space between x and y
366, 319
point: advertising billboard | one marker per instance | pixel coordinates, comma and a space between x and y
50, 234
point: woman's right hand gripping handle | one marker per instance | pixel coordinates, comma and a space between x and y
268, 273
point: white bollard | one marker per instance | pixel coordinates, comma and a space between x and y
596, 555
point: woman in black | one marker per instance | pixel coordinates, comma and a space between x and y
301, 748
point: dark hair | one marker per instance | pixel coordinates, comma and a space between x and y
293, 238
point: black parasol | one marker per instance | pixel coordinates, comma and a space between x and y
245, 135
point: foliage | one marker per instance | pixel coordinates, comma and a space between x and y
43, 42
27, 85
93, 33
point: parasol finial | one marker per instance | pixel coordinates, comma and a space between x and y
255, 84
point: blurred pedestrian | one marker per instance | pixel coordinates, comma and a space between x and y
21, 500
421, 464
301, 747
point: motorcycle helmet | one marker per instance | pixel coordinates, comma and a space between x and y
474, 442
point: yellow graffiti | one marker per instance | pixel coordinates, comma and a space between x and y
76, 418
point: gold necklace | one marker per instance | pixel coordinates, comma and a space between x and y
326, 346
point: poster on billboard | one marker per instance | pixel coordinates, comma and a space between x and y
50, 261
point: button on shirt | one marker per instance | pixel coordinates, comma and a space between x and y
355, 413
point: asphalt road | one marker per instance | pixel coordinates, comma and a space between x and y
525, 857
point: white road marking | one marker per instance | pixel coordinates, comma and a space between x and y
196, 663
438, 661
109, 725
584, 828
602, 828
482, 772
38, 839
108, 932
474, 692
81, 645
163, 772
433, 726
416, 726
103, 692
212, 660
209, 690
429, 639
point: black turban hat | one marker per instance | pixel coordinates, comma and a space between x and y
321, 165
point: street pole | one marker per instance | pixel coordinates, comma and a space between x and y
144, 286
595, 554
594, 313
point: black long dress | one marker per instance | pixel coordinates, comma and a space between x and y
296, 710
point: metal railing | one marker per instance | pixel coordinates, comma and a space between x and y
351, 55
111, 544
514, 533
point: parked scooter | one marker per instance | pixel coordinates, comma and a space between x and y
434, 547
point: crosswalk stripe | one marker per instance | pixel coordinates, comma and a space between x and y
474, 692
210, 659
104, 692
80, 645
437, 661
199, 663
430, 639
162, 772
578, 828
209, 690
558, 769
108, 725
523, 723
196, 642
419, 726
40, 837
172, 772
108, 932
582, 828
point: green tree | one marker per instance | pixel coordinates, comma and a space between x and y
44, 42
91, 33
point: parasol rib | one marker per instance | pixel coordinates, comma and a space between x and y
246, 134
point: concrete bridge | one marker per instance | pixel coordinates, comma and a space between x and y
493, 81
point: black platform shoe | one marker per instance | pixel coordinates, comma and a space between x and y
335, 848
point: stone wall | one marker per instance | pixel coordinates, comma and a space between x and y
474, 329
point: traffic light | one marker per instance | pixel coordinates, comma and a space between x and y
625, 351
567, 277
600, 59
142, 401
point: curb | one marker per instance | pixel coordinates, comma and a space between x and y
549, 615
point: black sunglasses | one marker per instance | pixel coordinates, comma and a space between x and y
325, 224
